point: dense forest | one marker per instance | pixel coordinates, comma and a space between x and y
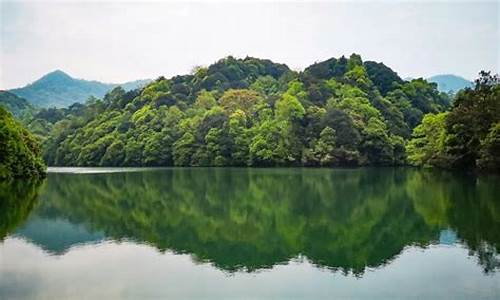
19, 107
247, 112
254, 112
20, 153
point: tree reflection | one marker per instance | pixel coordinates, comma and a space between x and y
17, 199
249, 219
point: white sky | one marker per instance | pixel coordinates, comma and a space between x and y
122, 41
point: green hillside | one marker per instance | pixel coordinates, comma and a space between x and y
20, 154
19, 107
249, 112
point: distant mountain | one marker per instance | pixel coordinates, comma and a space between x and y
132, 85
19, 107
450, 83
60, 90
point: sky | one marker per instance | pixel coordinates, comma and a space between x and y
123, 41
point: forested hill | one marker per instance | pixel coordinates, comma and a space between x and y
58, 89
19, 107
247, 112
20, 153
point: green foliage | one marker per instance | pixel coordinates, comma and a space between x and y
246, 112
382, 76
20, 154
288, 108
490, 149
267, 85
19, 107
267, 146
183, 149
322, 151
467, 137
376, 145
205, 100
245, 100
427, 143
473, 114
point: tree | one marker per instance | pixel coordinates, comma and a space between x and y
289, 113
114, 155
241, 137
268, 146
324, 148
217, 147
376, 145
382, 76
246, 100
205, 100
427, 144
183, 149
266, 85
157, 149
20, 154
133, 153
473, 114
347, 135
489, 155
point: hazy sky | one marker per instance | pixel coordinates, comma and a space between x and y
121, 41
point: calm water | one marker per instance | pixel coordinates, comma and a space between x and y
250, 234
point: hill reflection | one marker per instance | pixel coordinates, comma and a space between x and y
250, 219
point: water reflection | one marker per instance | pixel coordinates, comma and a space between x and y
17, 199
250, 219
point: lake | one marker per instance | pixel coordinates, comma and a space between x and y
229, 233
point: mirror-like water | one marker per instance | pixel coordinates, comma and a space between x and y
251, 234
